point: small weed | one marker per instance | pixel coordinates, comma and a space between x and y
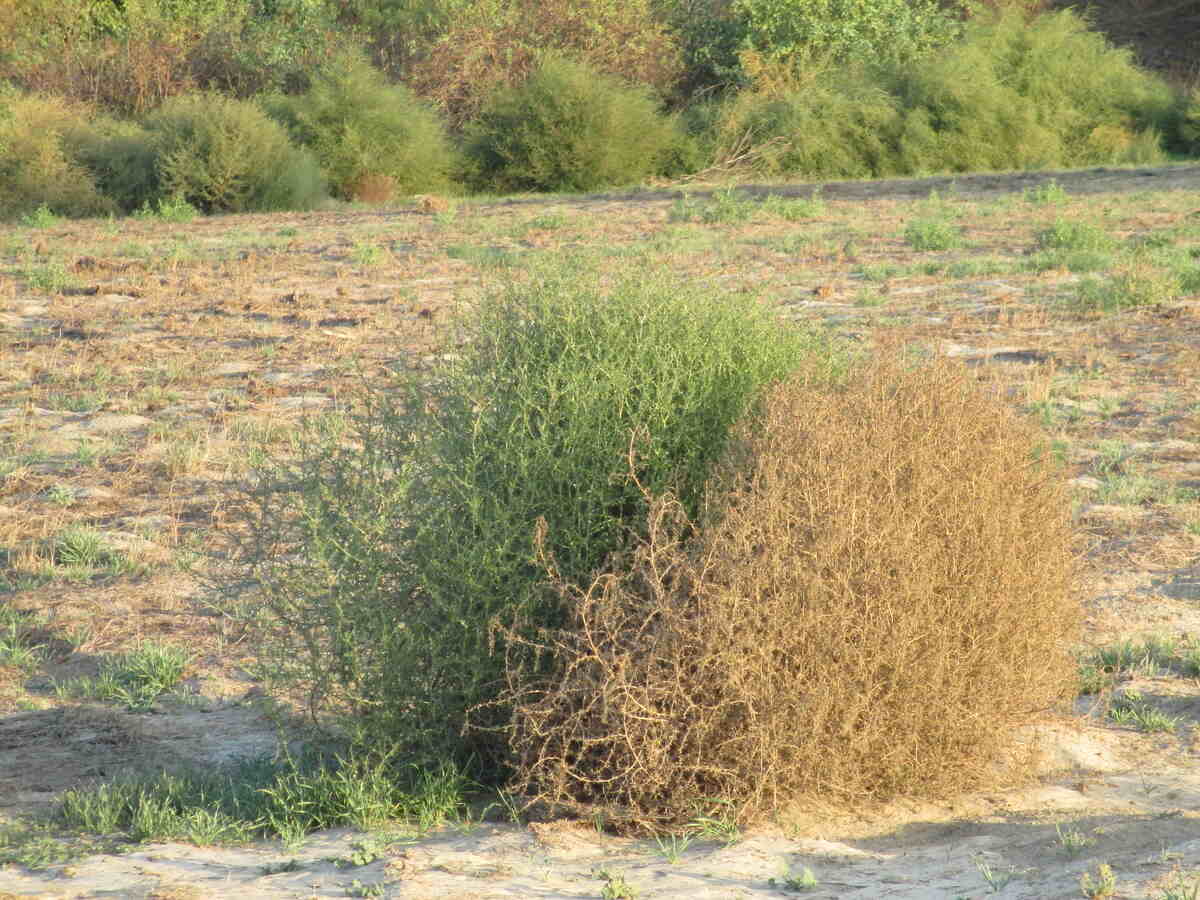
1075, 261
1130, 489
61, 494
547, 222
42, 217
1180, 891
366, 254
1130, 709
175, 210
1065, 235
715, 827
869, 298
135, 679
996, 881
1104, 885
291, 865
1051, 193
51, 278
933, 234
794, 209
1073, 841
80, 402
366, 889
726, 208
673, 846
362, 853
88, 453
803, 880
615, 886
15, 648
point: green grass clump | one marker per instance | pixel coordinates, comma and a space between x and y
398, 545
359, 125
568, 128
1067, 235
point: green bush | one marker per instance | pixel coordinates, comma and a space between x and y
845, 29
569, 128
360, 126
227, 155
388, 550
1028, 93
120, 155
36, 165
1189, 122
831, 122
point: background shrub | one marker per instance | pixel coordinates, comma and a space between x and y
360, 127
227, 155
1017, 92
494, 44
388, 552
850, 621
813, 118
569, 128
36, 165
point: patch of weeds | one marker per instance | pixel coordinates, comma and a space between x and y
793, 209
547, 222
615, 886
727, 208
1131, 709
1067, 235
673, 846
366, 254
78, 402
1052, 414
34, 846
15, 647
175, 210
290, 865
61, 494
880, 271
975, 268
484, 257
42, 217
136, 679
716, 825
366, 889
78, 546
1148, 657
996, 880
50, 278
796, 881
1181, 891
870, 298
1073, 841
1077, 262
186, 454
1104, 885
88, 453
933, 234
1131, 489
1051, 193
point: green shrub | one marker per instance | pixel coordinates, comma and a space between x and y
1189, 122
568, 128
359, 126
389, 550
121, 157
826, 122
490, 45
227, 155
1028, 93
845, 29
36, 166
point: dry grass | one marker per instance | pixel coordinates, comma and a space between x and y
854, 623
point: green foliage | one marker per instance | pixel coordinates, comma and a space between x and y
831, 122
225, 155
36, 168
568, 128
1019, 93
1189, 121
121, 157
393, 549
844, 29
492, 45
358, 125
